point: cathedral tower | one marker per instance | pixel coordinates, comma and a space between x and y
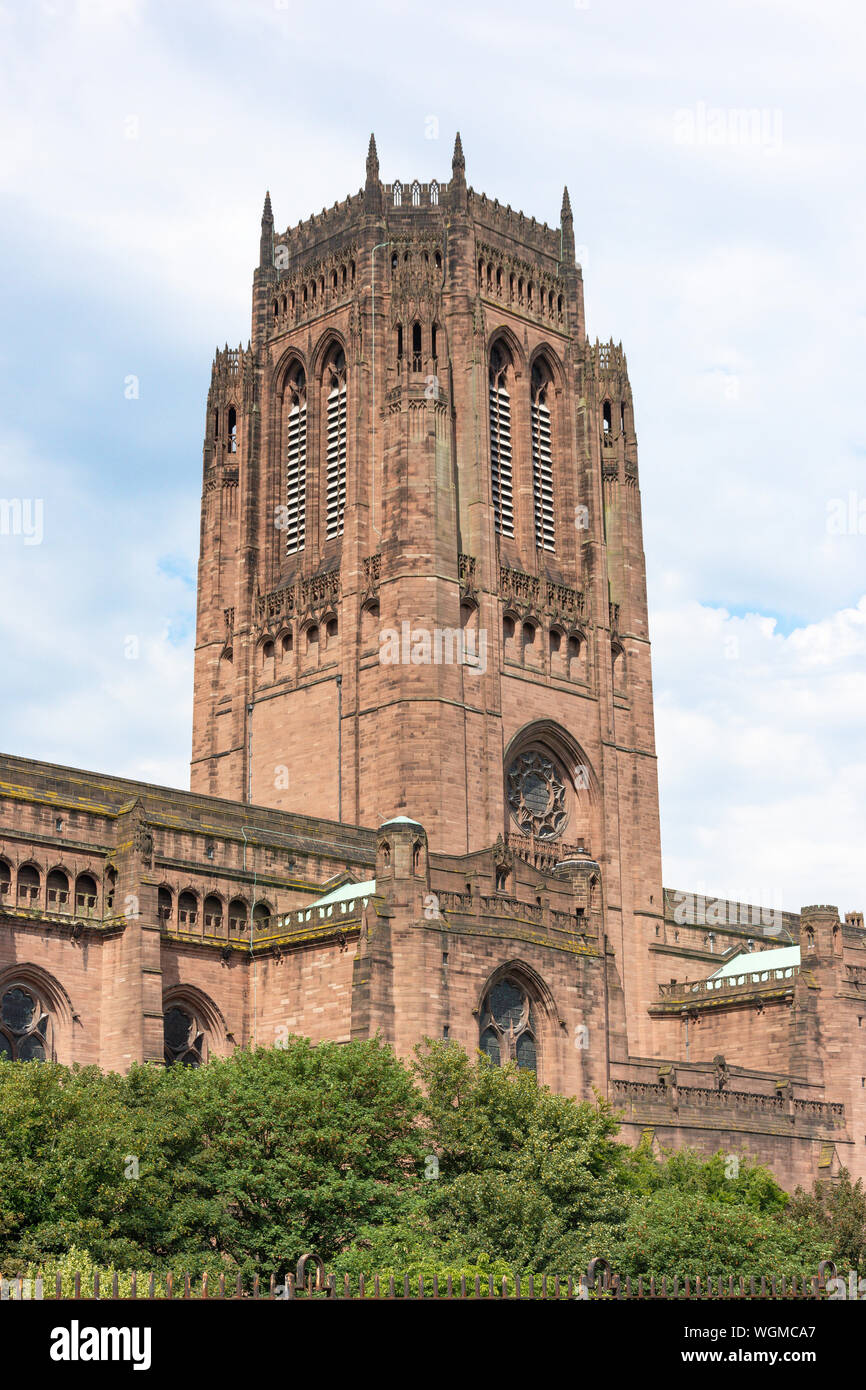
422, 585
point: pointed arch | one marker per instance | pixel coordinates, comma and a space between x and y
295, 436
333, 397
193, 1025
500, 397
541, 418
516, 1014
551, 790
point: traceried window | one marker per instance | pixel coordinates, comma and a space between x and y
501, 471
508, 1025
296, 462
184, 1039
542, 458
335, 388
23, 1026
536, 795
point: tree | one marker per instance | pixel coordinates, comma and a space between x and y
835, 1213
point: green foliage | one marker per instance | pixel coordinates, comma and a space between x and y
452, 1165
835, 1213
729, 1179
241, 1165
682, 1233
522, 1171
76, 1261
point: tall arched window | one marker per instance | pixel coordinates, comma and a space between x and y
509, 1031
542, 457
296, 461
501, 470
23, 1026
335, 388
233, 430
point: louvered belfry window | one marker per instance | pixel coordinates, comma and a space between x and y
296, 464
501, 470
542, 461
335, 381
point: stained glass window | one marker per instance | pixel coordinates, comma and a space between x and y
508, 1025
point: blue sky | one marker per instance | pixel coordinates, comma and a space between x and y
715, 164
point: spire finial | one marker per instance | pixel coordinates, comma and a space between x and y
266, 245
372, 161
566, 222
457, 160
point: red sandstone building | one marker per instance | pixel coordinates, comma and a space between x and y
424, 794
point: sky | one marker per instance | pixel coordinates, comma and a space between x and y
714, 158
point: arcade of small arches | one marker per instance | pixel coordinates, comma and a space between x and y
279, 656
554, 650
517, 288
299, 298
419, 194
418, 349
60, 890
210, 914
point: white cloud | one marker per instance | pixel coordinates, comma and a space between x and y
762, 754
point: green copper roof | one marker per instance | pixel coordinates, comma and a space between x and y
759, 962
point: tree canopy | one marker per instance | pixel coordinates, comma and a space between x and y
450, 1164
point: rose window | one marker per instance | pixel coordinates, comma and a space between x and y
536, 796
